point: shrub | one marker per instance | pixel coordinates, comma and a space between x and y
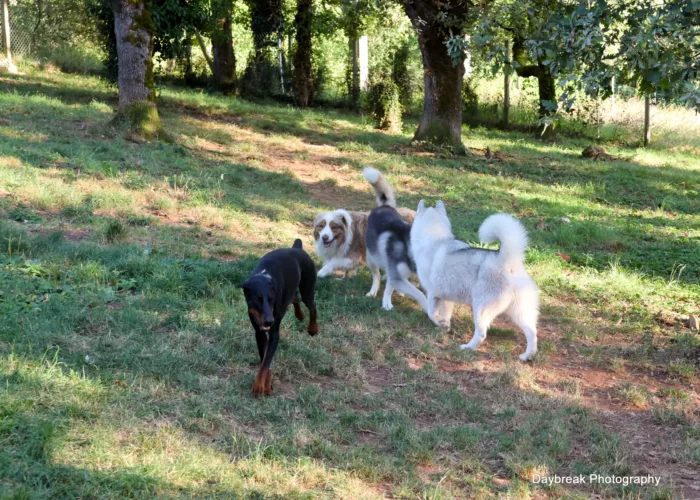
470, 103
383, 103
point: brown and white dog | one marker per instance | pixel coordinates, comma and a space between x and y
340, 234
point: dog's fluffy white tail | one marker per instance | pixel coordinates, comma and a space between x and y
510, 232
382, 189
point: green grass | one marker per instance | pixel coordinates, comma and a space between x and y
126, 355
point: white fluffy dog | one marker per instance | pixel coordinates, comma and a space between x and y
491, 281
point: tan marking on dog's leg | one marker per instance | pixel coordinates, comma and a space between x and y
263, 382
313, 326
297, 310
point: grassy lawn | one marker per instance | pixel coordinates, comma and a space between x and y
126, 354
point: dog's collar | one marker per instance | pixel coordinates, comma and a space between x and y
263, 274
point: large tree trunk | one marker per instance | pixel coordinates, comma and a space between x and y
133, 28
545, 84
302, 54
441, 123
224, 65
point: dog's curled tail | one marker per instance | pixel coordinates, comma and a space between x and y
510, 232
382, 189
297, 244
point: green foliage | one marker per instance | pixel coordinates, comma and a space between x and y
115, 231
470, 102
383, 104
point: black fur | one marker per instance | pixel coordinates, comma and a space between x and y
278, 280
387, 219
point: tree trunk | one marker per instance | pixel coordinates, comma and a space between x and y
545, 84
302, 54
203, 47
354, 71
506, 87
548, 97
441, 123
647, 120
133, 28
224, 65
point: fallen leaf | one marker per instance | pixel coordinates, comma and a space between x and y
564, 257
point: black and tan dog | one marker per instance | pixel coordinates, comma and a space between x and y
278, 280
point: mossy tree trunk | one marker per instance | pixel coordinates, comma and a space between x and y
545, 84
224, 65
302, 54
133, 28
441, 123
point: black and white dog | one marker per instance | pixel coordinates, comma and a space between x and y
278, 280
388, 242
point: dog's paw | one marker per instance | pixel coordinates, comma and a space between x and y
263, 383
387, 307
471, 345
443, 323
371, 294
526, 356
313, 329
323, 273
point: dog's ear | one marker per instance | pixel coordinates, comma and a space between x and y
441, 207
421, 207
344, 220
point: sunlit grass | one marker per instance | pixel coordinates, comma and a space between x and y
126, 355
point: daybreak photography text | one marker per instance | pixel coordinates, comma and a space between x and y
598, 479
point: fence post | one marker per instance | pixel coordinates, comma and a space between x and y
647, 120
6, 29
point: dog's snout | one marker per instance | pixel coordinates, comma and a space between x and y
324, 238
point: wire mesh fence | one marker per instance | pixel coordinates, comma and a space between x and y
28, 31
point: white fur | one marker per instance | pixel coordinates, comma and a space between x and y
491, 282
381, 187
335, 256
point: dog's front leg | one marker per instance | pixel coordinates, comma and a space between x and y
446, 308
386, 300
376, 279
263, 382
434, 309
261, 340
327, 269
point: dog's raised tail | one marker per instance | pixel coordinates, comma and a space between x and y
297, 244
510, 232
382, 189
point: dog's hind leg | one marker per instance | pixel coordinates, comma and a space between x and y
524, 314
484, 313
297, 307
376, 278
307, 288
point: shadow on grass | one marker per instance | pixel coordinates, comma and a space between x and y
174, 332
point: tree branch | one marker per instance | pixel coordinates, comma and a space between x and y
200, 40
